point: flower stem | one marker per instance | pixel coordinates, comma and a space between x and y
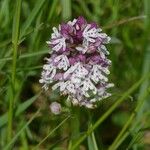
75, 127
15, 37
91, 138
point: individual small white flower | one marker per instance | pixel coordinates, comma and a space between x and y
103, 50
89, 105
96, 74
103, 96
70, 87
78, 70
93, 100
56, 33
50, 71
61, 85
65, 87
55, 108
102, 91
59, 44
45, 84
82, 49
88, 86
70, 70
104, 69
109, 85
75, 80
62, 61
58, 41
106, 39
72, 23
90, 34
73, 100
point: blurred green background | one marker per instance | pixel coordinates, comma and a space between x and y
25, 118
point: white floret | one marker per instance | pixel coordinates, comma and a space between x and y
90, 34
63, 62
96, 74
88, 86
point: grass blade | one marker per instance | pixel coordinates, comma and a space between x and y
136, 138
31, 17
21, 130
54, 5
146, 59
92, 145
15, 36
66, 9
21, 108
28, 55
42, 141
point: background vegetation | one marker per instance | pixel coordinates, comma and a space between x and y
120, 122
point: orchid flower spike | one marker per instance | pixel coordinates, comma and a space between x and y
78, 65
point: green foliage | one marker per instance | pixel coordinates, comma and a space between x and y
120, 122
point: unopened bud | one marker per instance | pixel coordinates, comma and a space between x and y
55, 108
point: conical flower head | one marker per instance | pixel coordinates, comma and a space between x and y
78, 65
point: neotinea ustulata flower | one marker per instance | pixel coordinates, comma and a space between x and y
78, 65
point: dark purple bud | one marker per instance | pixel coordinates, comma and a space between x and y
81, 22
93, 25
66, 30
72, 61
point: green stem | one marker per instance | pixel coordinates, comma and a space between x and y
106, 114
75, 127
121, 140
15, 37
94, 141
23, 138
91, 140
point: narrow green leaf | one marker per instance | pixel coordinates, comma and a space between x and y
3, 119
44, 139
28, 55
5, 43
66, 9
16, 23
86, 10
21, 130
31, 17
15, 36
53, 8
21, 108
120, 141
135, 139
92, 145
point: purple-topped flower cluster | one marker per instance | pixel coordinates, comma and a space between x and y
78, 65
